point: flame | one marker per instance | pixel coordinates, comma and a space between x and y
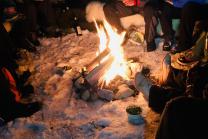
113, 40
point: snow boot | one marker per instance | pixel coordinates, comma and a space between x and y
142, 84
151, 46
2, 122
17, 110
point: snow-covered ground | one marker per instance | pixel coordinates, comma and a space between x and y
63, 116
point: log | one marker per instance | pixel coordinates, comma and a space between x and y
98, 72
98, 59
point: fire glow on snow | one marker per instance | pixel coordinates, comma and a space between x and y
64, 116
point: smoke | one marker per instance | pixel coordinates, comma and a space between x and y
94, 10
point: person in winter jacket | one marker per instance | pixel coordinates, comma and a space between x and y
192, 12
11, 85
40, 17
114, 10
182, 101
14, 23
165, 11
152, 10
10, 105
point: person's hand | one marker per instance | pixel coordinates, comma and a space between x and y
129, 2
169, 1
10, 10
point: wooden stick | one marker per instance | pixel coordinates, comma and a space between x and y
97, 60
98, 73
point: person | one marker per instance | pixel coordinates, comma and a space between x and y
14, 23
12, 87
40, 16
114, 10
11, 106
8, 49
8, 10
183, 107
165, 11
191, 12
151, 10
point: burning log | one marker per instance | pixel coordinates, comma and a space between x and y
106, 66
86, 85
97, 74
98, 59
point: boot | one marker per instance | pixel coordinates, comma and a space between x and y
17, 110
142, 84
151, 46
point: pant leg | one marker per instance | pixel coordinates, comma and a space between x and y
184, 118
191, 12
11, 110
159, 96
151, 21
31, 15
168, 12
114, 11
46, 14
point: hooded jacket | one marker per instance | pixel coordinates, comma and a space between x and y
181, 3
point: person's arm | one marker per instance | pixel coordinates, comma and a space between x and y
129, 2
169, 1
136, 3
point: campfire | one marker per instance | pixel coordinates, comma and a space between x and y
110, 64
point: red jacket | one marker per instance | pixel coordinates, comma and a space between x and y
140, 3
10, 84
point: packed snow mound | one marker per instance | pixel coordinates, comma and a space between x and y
63, 115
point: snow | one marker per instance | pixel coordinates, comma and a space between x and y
63, 115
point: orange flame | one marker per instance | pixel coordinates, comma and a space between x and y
111, 39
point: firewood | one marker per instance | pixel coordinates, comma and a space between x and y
98, 72
98, 59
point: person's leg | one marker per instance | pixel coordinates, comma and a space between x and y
31, 23
114, 11
47, 19
191, 13
46, 14
156, 96
159, 96
168, 12
31, 14
151, 21
11, 110
184, 118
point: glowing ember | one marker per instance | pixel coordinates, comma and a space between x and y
109, 38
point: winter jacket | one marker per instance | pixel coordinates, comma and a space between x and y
181, 3
9, 91
140, 3
7, 3
180, 83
